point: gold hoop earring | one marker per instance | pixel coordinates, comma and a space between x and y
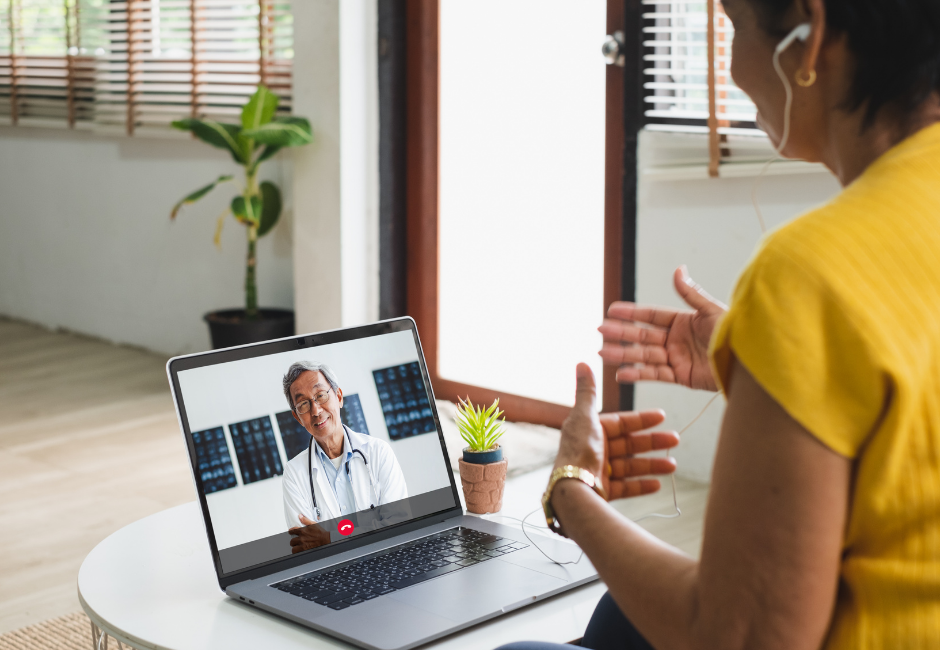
808, 81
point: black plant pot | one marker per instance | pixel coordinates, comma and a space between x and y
229, 327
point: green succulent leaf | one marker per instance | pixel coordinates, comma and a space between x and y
270, 207
248, 212
283, 132
480, 428
198, 194
260, 109
223, 136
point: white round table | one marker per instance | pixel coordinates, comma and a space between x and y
152, 585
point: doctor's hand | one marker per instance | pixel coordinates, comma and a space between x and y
606, 445
674, 349
308, 536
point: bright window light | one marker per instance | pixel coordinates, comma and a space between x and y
522, 193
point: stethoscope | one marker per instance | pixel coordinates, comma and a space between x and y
313, 493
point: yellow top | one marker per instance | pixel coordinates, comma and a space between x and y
837, 317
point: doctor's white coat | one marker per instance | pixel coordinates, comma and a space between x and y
386, 472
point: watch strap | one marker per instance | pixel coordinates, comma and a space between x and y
565, 472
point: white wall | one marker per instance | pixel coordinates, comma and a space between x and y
711, 226
86, 241
224, 394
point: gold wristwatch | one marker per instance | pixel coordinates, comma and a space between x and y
568, 471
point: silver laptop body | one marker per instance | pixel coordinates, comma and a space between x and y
263, 573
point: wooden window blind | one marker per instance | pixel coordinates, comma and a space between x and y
136, 65
676, 69
687, 74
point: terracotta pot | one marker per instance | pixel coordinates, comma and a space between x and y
483, 484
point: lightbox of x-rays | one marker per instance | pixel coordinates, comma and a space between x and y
404, 401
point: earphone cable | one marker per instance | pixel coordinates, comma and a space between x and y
778, 151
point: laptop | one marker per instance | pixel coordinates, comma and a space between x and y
383, 555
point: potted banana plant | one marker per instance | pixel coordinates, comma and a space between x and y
257, 207
482, 468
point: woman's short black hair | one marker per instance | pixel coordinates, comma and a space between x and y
896, 44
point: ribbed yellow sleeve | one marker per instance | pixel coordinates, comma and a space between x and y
804, 347
837, 317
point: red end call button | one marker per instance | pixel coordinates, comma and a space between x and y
345, 527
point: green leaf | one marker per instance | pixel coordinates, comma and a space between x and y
260, 109
198, 194
248, 213
246, 146
283, 132
223, 136
266, 153
270, 207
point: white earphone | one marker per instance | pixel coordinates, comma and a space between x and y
801, 33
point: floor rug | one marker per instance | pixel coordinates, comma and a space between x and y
69, 632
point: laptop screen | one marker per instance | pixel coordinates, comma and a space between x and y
298, 448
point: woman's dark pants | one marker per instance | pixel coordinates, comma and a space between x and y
609, 629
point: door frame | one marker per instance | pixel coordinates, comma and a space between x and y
422, 201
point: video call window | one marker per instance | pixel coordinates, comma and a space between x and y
214, 460
256, 449
404, 401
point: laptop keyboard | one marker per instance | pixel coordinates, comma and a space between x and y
401, 566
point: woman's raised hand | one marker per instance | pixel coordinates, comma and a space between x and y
673, 347
607, 444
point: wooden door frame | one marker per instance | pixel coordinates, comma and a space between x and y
422, 147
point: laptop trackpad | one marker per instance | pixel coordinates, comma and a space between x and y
474, 592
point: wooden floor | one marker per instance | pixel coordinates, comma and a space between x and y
89, 443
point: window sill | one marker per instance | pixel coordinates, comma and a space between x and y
30, 126
671, 156
731, 170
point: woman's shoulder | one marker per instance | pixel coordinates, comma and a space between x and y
891, 211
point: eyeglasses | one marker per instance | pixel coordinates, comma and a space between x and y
320, 398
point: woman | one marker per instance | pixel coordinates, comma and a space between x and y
823, 525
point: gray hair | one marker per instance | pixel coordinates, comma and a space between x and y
299, 368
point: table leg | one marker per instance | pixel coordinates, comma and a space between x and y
99, 640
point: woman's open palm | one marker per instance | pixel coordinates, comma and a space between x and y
672, 346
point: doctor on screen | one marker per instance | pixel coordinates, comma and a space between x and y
341, 471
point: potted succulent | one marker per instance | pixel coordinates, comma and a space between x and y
258, 207
482, 468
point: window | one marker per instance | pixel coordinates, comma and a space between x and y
675, 67
521, 195
449, 164
135, 65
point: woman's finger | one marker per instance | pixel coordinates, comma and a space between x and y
626, 488
626, 422
640, 443
615, 331
631, 374
628, 467
615, 353
692, 293
660, 316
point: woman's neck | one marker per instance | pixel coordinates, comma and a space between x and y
851, 150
